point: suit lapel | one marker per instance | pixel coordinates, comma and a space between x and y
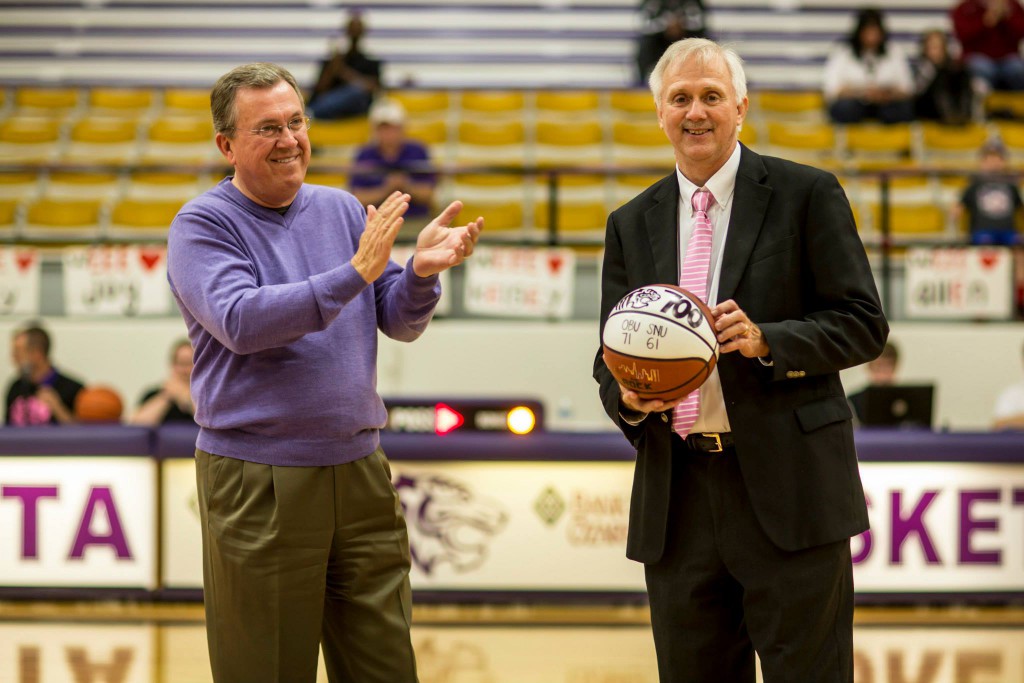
750, 203
661, 222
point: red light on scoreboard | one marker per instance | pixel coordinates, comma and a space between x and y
446, 419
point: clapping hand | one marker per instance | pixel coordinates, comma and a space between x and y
439, 247
382, 225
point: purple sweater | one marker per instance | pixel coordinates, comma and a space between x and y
283, 328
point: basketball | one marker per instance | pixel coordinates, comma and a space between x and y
98, 404
659, 341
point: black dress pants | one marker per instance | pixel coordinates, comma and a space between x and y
723, 590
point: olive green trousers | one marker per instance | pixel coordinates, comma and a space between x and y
298, 557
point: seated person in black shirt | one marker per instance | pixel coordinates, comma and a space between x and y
172, 401
881, 372
40, 395
348, 79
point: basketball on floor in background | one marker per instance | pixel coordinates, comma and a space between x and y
659, 341
98, 404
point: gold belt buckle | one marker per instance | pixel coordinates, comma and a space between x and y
718, 441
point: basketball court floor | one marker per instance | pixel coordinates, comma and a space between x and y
165, 643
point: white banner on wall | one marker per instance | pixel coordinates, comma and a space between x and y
520, 282
78, 521
116, 280
942, 527
401, 254
936, 527
20, 274
959, 283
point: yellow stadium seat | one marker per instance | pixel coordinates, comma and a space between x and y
179, 140
820, 138
432, 133
82, 185
102, 140
573, 217
492, 103
633, 104
629, 185
807, 142
748, 135
8, 212
337, 141
952, 145
56, 219
799, 105
422, 103
893, 140
45, 101
1005, 103
566, 102
498, 216
491, 142
159, 185
18, 185
569, 143
144, 219
186, 102
127, 102
29, 139
915, 221
640, 143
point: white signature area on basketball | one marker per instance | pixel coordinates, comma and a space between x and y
659, 341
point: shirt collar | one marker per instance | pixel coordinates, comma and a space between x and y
722, 184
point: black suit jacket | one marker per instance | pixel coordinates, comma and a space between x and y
794, 263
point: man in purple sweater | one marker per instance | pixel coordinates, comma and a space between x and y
283, 287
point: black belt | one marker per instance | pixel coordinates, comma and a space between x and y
709, 442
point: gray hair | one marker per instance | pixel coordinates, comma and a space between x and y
705, 51
258, 75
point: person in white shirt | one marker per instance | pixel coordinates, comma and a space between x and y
1009, 409
866, 77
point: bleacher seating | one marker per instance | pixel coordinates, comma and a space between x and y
526, 83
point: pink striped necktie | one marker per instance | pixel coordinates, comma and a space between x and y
694, 278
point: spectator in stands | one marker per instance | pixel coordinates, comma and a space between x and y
867, 77
881, 373
283, 286
348, 79
942, 85
394, 163
665, 22
40, 395
992, 202
1009, 408
990, 32
171, 401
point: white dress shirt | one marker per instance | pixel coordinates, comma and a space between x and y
712, 417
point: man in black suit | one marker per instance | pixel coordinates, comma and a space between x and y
744, 524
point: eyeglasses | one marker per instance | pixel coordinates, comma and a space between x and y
273, 130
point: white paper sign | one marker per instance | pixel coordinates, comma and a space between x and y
20, 273
401, 255
116, 280
959, 283
78, 521
520, 282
